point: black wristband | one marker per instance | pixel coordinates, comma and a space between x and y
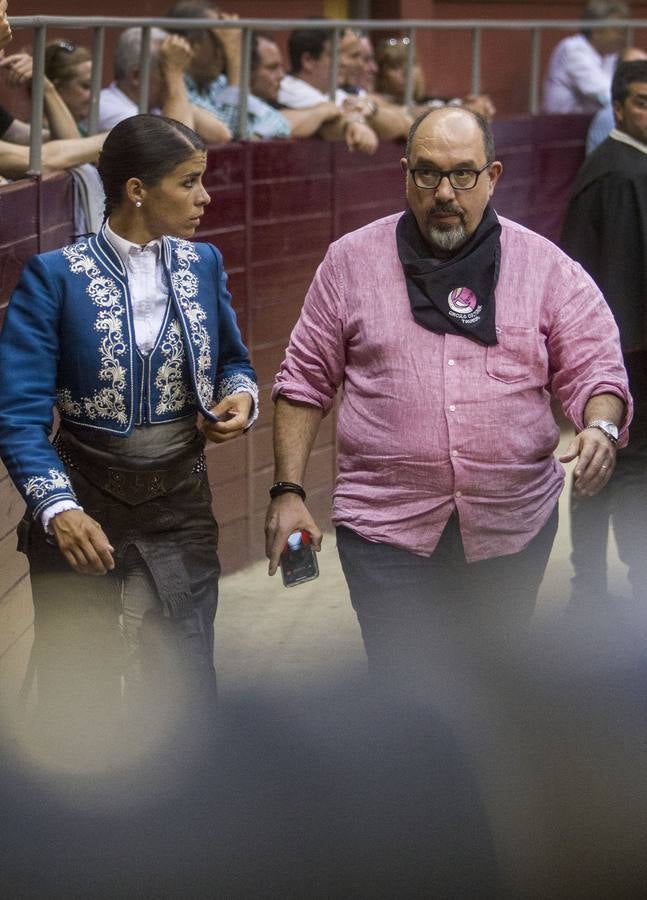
286, 487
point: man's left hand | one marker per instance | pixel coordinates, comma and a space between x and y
596, 460
234, 412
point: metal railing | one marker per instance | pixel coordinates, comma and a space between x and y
410, 27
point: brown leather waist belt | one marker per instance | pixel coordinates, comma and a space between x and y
131, 485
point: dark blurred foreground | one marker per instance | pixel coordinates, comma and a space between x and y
502, 771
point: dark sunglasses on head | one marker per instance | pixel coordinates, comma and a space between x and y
66, 46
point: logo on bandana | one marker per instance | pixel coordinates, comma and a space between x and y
463, 305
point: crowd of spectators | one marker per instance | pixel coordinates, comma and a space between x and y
194, 76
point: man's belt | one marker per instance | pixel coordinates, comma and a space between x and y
131, 485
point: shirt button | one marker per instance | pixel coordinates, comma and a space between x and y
458, 494
454, 452
450, 362
452, 408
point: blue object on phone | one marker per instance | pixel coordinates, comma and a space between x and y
298, 560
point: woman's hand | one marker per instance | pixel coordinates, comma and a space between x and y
19, 68
83, 542
234, 412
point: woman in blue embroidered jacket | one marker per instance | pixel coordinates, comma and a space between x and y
132, 335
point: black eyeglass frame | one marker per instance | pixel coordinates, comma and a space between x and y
448, 175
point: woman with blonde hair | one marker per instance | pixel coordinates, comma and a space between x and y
69, 68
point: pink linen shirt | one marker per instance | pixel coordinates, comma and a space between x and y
429, 423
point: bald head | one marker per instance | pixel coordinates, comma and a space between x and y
449, 148
455, 115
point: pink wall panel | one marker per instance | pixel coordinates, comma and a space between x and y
306, 233
278, 279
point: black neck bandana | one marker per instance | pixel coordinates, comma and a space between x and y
455, 295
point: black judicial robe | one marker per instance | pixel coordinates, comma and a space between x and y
605, 229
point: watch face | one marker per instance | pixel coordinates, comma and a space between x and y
608, 427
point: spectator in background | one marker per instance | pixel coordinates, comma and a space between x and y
215, 61
582, 65
604, 230
604, 121
5, 27
56, 155
60, 122
368, 71
308, 83
265, 119
60, 154
391, 75
391, 79
69, 68
357, 67
170, 57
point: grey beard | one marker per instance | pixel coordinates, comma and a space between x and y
447, 239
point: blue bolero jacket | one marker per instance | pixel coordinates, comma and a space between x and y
68, 339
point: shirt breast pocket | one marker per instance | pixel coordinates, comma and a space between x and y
516, 355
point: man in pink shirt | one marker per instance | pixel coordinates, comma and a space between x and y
449, 328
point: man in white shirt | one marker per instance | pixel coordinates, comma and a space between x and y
309, 83
264, 110
582, 66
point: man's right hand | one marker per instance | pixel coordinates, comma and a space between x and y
83, 542
359, 136
175, 53
285, 514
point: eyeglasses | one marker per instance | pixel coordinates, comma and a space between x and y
459, 179
66, 46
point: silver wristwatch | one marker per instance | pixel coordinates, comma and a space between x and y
608, 428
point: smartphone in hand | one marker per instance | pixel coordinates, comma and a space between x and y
298, 560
